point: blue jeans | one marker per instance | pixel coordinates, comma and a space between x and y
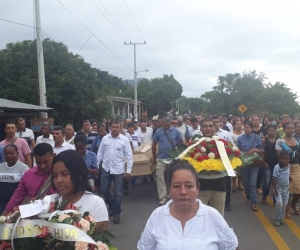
267, 175
249, 175
114, 202
281, 202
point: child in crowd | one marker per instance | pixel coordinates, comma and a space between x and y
280, 181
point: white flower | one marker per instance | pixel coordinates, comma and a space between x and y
62, 217
211, 156
196, 139
2, 219
84, 225
79, 245
215, 137
207, 139
203, 149
235, 148
101, 246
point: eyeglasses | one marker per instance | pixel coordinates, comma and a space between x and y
175, 123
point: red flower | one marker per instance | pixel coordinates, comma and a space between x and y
224, 141
192, 155
189, 143
205, 157
217, 155
213, 142
43, 232
70, 207
213, 150
200, 158
52, 207
237, 153
228, 151
203, 144
197, 150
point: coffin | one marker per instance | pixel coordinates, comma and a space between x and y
142, 160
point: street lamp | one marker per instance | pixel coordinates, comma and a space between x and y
135, 92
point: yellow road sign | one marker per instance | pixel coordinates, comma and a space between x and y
242, 108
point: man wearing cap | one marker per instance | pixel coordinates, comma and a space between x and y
45, 136
184, 129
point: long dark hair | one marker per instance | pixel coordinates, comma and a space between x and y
77, 168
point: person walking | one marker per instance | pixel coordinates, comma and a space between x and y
45, 136
167, 137
113, 149
25, 133
280, 181
60, 145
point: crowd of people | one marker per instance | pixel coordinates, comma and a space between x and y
97, 161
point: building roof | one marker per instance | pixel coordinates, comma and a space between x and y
122, 99
4, 103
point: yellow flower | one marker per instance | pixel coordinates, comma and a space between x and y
212, 164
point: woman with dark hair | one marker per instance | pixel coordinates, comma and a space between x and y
11, 173
271, 159
203, 226
290, 144
70, 179
235, 134
297, 131
265, 123
250, 143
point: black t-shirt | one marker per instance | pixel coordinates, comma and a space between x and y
261, 132
213, 184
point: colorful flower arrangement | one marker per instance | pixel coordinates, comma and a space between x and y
62, 214
205, 156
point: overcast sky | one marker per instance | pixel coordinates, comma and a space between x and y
194, 40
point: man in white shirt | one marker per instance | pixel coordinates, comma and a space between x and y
228, 124
25, 133
60, 145
46, 137
145, 133
183, 128
135, 136
70, 134
114, 148
195, 128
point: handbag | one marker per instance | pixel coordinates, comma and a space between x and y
257, 162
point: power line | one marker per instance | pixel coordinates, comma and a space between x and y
84, 44
142, 35
22, 24
115, 28
95, 36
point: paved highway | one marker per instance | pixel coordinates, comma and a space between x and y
255, 230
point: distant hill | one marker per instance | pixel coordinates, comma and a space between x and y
131, 81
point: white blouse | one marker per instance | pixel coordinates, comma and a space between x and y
206, 230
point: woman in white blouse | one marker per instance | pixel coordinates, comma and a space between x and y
185, 223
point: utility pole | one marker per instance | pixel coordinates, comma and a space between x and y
135, 78
40, 57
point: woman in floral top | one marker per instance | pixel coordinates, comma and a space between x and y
290, 144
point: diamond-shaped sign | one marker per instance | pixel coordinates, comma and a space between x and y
242, 108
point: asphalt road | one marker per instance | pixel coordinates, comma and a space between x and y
255, 230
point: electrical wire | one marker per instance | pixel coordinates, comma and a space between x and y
96, 36
22, 24
142, 35
84, 43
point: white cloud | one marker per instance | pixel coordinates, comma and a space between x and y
194, 40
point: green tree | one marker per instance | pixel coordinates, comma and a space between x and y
159, 93
75, 90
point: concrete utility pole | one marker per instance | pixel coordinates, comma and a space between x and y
40, 57
135, 76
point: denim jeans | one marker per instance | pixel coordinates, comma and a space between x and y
114, 202
249, 175
281, 202
267, 176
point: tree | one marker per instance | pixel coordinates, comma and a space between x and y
75, 90
249, 88
159, 93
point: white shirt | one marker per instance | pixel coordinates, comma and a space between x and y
89, 203
42, 139
63, 147
235, 137
206, 230
146, 136
184, 131
223, 134
71, 141
229, 125
27, 134
194, 131
112, 152
136, 140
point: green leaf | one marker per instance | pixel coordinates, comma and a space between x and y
67, 221
54, 221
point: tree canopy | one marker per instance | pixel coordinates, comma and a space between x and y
251, 89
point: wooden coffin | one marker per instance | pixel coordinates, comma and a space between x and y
142, 160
